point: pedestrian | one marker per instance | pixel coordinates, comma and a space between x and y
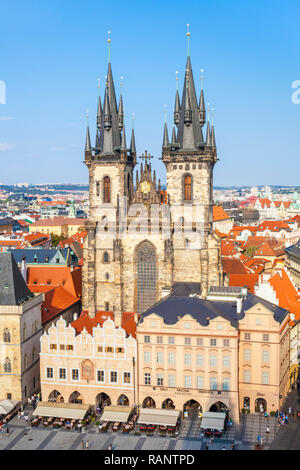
233, 447
268, 430
87, 445
7, 429
109, 447
207, 447
29, 401
290, 410
266, 414
82, 444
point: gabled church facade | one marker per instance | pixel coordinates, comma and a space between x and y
129, 270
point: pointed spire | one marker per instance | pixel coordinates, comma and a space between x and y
187, 109
202, 111
166, 136
177, 109
173, 136
212, 137
137, 179
208, 135
132, 142
154, 178
106, 110
123, 143
99, 110
88, 147
121, 110
212, 133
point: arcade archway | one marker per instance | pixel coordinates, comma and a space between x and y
149, 403
55, 396
75, 397
168, 404
260, 405
123, 400
218, 407
102, 399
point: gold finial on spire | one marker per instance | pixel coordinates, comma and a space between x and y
98, 79
108, 41
121, 83
87, 117
188, 36
106, 83
202, 79
208, 110
132, 119
212, 116
177, 80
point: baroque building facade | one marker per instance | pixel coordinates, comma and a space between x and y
126, 269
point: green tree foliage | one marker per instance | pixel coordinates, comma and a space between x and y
250, 250
55, 239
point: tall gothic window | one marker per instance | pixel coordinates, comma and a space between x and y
146, 276
97, 188
6, 336
106, 189
187, 189
7, 365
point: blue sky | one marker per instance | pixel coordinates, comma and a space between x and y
52, 54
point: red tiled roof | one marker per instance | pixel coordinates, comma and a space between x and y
56, 221
85, 321
52, 276
219, 213
240, 280
56, 301
233, 266
274, 226
228, 248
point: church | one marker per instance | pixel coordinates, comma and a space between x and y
130, 270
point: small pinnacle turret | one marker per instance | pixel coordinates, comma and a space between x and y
166, 136
120, 113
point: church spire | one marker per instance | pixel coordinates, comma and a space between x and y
132, 142
123, 143
99, 109
88, 147
202, 111
121, 110
173, 136
166, 136
212, 133
208, 134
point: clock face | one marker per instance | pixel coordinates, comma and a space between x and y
145, 187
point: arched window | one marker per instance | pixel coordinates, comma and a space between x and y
187, 188
7, 365
6, 336
106, 306
107, 276
106, 189
105, 257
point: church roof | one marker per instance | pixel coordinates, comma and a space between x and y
13, 288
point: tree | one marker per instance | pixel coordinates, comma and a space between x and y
250, 250
55, 239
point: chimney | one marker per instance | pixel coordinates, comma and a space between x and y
244, 291
24, 269
75, 316
239, 304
